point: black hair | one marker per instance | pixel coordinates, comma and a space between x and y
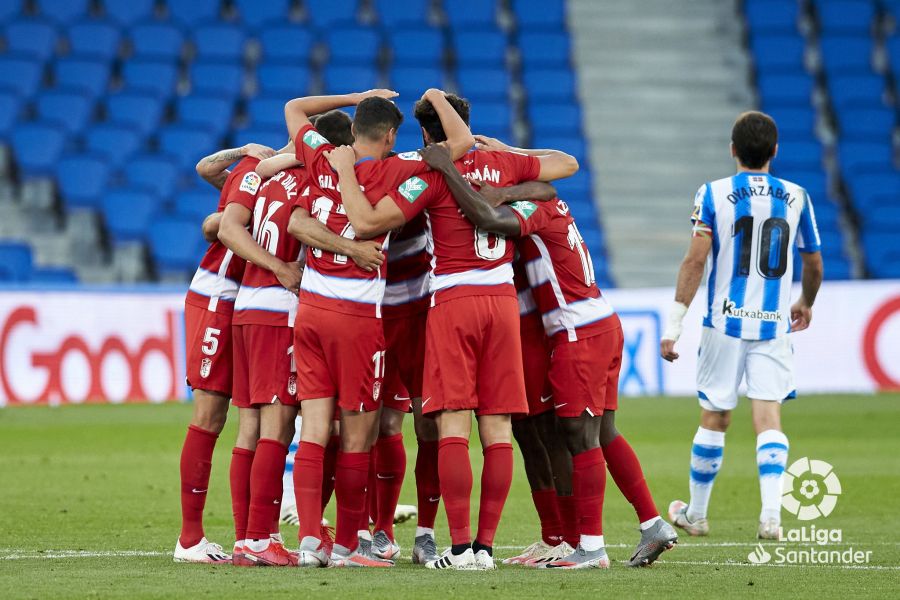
375, 117
754, 136
335, 126
428, 118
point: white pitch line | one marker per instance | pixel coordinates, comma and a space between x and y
55, 554
767, 543
710, 563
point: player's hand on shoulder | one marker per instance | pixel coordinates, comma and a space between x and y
289, 275
376, 93
484, 142
667, 350
342, 158
367, 255
801, 315
258, 151
436, 156
491, 194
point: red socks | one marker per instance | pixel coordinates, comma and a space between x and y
496, 479
455, 472
625, 468
308, 488
568, 514
196, 462
428, 487
588, 485
350, 488
548, 513
239, 474
329, 464
390, 467
265, 487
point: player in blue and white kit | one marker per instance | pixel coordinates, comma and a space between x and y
750, 223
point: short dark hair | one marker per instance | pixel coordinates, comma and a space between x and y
375, 117
754, 136
428, 117
335, 126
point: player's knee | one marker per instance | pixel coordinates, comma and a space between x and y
715, 420
426, 429
210, 411
391, 423
608, 431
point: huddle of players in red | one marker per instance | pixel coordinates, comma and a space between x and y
356, 285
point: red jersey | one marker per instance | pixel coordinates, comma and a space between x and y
216, 281
333, 281
466, 261
408, 264
262, 300
561, 273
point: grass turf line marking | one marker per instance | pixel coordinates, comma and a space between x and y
712, 563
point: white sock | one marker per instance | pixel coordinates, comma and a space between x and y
591, 543
424, 531
706, 460
287, 480
649, 523
257, 545
771, 459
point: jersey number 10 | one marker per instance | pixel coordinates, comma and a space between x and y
774, 236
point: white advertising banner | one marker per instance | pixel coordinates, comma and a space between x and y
114, 345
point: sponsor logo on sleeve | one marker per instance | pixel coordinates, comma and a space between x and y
313, 139
409, 156
412, 188
524, 208
250, 183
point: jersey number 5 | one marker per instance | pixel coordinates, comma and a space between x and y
774, 236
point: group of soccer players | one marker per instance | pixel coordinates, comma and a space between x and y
355, 285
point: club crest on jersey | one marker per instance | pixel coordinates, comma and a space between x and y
250, 183
376, 391
523, 207
412, 188
292, 385
205, 367
313, 139
409, 156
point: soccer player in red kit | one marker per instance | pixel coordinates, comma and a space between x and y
472, 325
586, 337
338, 337
208, 308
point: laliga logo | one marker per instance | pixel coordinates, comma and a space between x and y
810, 489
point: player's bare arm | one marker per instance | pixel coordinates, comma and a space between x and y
312, 232
459, 138
233, 233
283, 159
539, 191
555, 164
298, 110
210, 227
214, 168
689, 277
811, 281
499, 219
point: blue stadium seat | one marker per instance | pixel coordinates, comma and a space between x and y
128, 214
412, 81
574, 145
37, 147
544, 49
82, 179
785, 89
10, 106
226, 78
550, 85
540, 14
210, 112
152, 77
867, 123
63, 12
71, 110
128, 12
255, 13
325, 13
196, 202
576, 190
156, 40
480, 48
15, 262
492, 118
409, 12
266, 112
157, 173
175, 243
283, 80
798, 155
409, 137
793, 120
343, 80
484, 84
857, 157
886, 219
848, 91
92, 39
845, 16
187, 144
271, 136
89, 76
781, 52
220, 41
142, 112
10, 8
31, 37
53, 276
814, 182
117, 143
20, 76
562, 118
772, 15
353, 45
287, 43
872, 190
846, 54
882, 252
463, 14
423, 46
193, 12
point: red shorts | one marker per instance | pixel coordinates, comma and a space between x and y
536, 362
264, 370
405, 339
472, 357
339, 356
207, 336
585, 374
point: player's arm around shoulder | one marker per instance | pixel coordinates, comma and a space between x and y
214, 168
368, 255
554, 164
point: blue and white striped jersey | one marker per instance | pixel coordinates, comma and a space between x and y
755, 220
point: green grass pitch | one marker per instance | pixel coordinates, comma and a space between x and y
89, 509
